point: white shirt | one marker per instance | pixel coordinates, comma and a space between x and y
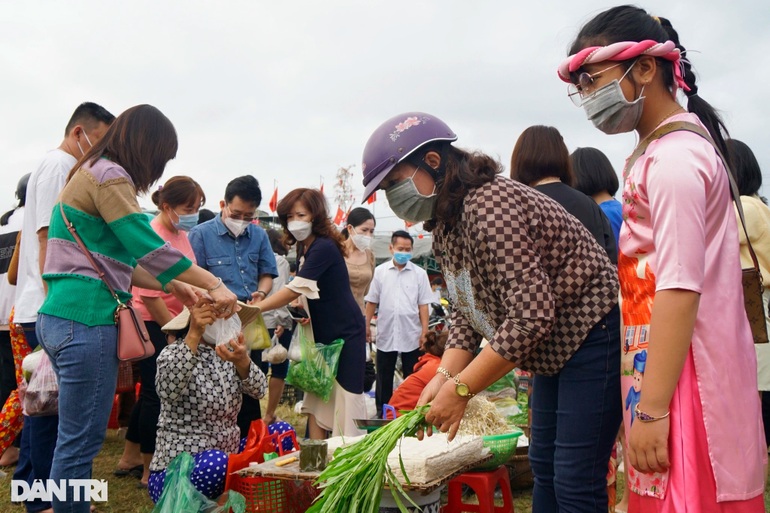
399, 294
43, 189
8, 291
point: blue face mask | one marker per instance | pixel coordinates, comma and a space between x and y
186, 221
402, 258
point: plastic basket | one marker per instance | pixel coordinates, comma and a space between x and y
502, 448
262, 494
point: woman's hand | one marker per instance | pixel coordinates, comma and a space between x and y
186, 294
235, 351
279, 331
648, 445
429, 393
202, 314
446, 410
225, 302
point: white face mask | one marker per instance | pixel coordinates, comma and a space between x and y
236, 226
362, 242
300, 230
87, 140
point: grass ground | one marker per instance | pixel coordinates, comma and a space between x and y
125, 497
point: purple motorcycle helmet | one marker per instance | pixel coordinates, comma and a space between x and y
396, 139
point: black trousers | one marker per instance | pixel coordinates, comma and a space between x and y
386, 368
250, 409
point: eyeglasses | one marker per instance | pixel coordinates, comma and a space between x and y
240, 217
577, 92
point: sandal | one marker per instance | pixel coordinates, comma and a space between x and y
136, 471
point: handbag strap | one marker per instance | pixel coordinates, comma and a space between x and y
87, 253
677, 126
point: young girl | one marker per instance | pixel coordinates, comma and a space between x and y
696, 443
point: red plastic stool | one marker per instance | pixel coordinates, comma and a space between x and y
483, 484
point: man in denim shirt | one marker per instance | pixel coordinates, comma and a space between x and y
235, 249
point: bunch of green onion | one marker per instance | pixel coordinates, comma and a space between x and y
354, 479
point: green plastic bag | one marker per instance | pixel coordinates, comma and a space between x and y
180, 496
316, 371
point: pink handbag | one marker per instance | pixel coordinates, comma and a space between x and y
133, 338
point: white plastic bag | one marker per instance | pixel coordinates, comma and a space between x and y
295, 350
222, 331
42, 395
276, 353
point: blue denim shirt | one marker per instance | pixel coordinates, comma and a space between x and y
238, 261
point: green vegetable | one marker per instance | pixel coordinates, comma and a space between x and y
317, 370
354, 479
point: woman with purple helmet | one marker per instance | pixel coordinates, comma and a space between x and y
530, 279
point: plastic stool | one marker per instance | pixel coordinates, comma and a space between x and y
483, 484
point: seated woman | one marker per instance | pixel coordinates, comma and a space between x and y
406, 395
200, 389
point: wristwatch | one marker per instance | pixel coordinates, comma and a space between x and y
462, 389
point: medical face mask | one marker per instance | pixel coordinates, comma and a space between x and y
610, 112
87, 140
362, 242
407, 202
300, 230
186, 222
236, 226
402, 257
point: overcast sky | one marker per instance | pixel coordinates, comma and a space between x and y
290, 91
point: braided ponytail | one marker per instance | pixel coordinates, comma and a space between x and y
695, 104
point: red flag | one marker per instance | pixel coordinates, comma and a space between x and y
408, 224
340, 216
274, 200
322, 187
372, 198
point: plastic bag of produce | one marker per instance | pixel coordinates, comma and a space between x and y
179, 494
42, 395
318, 368
222, 331
276, 354
256, 334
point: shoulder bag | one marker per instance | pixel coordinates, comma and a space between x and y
133, 339
752, 276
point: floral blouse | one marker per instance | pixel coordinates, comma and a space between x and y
200, 396
525, 275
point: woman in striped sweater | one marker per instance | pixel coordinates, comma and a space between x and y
76, 324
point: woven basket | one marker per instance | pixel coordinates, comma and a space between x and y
519, 470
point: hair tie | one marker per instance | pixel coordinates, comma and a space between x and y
623, 51
656, 19
160, 188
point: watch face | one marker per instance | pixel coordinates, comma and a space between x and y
462, 390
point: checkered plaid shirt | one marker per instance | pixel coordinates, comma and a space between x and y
525, 275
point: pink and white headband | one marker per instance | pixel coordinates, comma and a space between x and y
622, 51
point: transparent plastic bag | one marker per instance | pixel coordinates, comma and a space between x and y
318, 368
222, 331
295, 348
256, 335
276, 354
42, 395
179, 494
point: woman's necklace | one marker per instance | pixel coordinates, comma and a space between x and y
678, 107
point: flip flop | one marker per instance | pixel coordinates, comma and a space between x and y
133, 471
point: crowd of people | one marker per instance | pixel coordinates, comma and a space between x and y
535, 263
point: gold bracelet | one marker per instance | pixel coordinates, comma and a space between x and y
646, 417
446, 373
